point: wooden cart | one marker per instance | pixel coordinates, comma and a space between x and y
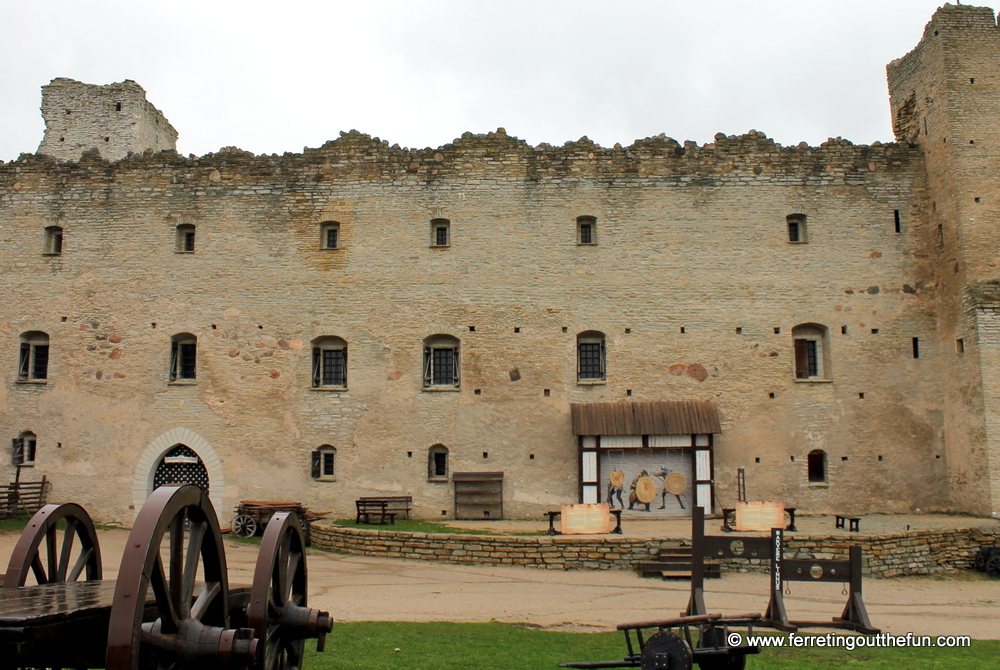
252, 516
171, 605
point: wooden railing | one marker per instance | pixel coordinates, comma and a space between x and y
26, 498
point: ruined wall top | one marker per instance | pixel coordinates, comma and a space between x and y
115, 120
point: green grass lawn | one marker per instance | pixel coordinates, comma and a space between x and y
13, 525
495, 646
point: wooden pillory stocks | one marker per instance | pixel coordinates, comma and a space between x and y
854, 616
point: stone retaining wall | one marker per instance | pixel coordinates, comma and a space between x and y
920, 552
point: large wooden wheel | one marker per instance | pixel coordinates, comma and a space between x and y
277, 610
70, 550
183, 623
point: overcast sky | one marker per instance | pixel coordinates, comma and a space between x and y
271, 77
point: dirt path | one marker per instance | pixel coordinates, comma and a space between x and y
358, 588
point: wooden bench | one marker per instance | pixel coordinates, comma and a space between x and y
552, 522
854, 522
367, 508
398, 504
729, 519
387, 507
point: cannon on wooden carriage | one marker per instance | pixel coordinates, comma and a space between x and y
252, 516
676, 644
171, 605
988, 561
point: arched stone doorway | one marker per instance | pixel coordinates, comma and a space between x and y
181, 465
148, 465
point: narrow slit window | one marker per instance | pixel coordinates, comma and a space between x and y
899, 225
586, 230
185, 238
915, 346
53, 240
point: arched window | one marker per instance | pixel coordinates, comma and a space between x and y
53, 240
590, 356
817, 465
441, 363
329, 363
437, 462
183, 357
185, 238
812, 355
796, 228
324, 462
329, 235
440, 233
33, 363
586, 230
24, 448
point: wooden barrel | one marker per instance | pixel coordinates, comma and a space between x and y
645, 490
675, 483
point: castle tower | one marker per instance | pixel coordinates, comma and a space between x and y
945, 96
115, 119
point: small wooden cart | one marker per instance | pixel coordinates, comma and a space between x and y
252, 516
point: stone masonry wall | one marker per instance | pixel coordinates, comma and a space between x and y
885, 555
692, 269
115, 120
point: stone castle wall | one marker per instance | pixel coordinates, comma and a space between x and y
115, 120
692, 245
693, 281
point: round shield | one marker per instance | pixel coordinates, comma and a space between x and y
675, 483
645, 490
617, 478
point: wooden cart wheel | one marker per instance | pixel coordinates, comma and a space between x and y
60, 560
244, 526
666, 651
190, 590
277, 611
982, 556
993, 566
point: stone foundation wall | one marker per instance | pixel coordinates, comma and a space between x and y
921, 552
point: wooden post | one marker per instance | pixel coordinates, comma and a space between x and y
776, 615
696, 603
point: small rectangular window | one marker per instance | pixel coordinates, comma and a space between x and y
328, 462
189, 240
330, 238
440, 464
185, 238
793, 231
440, 233
916, 347
960, 346
899, 226
334, 367
796, 228
183, 359
53, 240
586, 230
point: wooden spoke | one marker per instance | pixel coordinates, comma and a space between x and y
67, 548
164, 598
